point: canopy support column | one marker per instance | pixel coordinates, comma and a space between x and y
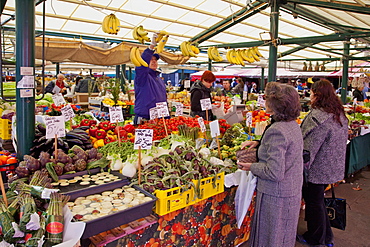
343, 91
274, 28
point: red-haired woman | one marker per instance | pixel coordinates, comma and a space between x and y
201, 90
325, 134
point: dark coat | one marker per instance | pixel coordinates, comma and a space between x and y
83, 86
326, 141
197, 92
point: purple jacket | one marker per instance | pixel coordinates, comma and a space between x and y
149, 88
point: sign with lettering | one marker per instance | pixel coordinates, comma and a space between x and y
201, 124
215, 128
206, 104
260, 101
162, 109
248, 119
67, 112
58, 99
179, 109
115, 114
153, 113
143, 138
28, 81
187, 84
55, 126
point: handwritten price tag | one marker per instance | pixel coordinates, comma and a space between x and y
68, 112
187, 84
115, 113
143, 138
55, 126
215, 128
201, 124
179, 109
153, 113
245, 95
206, 104
248, 119
162, 109
260, 101
58, 99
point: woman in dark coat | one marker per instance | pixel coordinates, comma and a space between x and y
325, 133
279, 170
201, 90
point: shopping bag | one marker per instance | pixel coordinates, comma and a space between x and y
244, 194
336, 208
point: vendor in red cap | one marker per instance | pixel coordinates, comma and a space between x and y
149, 88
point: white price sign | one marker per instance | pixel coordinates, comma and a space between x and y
58, 99
179, 109
56, 89
206, 104
355, 101
245, 95
162, 109
201, 124
187, 84
153, 113
67, 112
28, 81
260, 101
248, 119
115, 114
215, 128
55, 126
143, 138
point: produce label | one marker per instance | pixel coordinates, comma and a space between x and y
245, 95
248, 119
58, 99
55, 126
115, 113
143, 138
26, 93
206, 104
27, 81
201, 124
55, 227
215, 128
67, 112
162, 109
153, 113
179, 109
187, 84
260, 101
56, 89
26, 70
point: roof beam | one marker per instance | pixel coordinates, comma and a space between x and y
295, 49
229, 21
325, 59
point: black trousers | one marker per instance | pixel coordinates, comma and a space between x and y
318, 225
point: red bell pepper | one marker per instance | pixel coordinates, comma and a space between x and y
104, 125
93, 130
108, 139
101, 134
112, 126
85, 122
129, 128
93, 122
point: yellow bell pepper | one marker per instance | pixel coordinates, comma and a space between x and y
98, 143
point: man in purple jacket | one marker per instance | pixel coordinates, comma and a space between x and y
149, 88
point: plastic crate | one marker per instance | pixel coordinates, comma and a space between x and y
173, 199
209, 187
176, 198
5, 129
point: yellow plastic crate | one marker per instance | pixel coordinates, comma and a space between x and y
209, 187
173, 199
176, 198
5, 129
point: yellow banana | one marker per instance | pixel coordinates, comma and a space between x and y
162, 43
216, 55
134, 33
161, 34
228, 56
250, 55
209, 53
190, 52
243, 55
184, 49
240, 57
139, 58
133, 57
257, 52
104, 24
256, 58
141, 32
117, 24
113, 23
195, 49
234, 57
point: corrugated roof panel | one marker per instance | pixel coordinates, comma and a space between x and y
56, 7
170, 12
74, 26
190, 3
194, 17
174, 28
130, 20
141, 6
154, 24
50, 22
213, 7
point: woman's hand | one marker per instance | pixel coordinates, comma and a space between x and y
251, 144
244, 166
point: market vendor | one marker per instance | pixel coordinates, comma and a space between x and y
57, 86
149, 88
201, 90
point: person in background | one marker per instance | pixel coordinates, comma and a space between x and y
149, 88
238, 89
218, 84
357, 93
364, 91
325, 133
254, 88
226, 87
279, 170
234, 83
57, 86
87, 85
201, 90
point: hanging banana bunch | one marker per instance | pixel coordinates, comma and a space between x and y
138, 33
136, 59
111, 24
188, 50
214, 55
161, 40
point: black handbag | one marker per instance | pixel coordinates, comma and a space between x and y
336, 208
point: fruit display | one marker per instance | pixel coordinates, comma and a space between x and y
138, 33
188, 49
238, 57
108, 202
135, 57
182, 97
214, 55
111, 24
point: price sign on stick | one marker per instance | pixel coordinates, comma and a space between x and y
179, 109
143, 138
115, 113
245, 95
162, 109
55, 127
201, 124
260, 101
248, 120
215, 128
355, 101
153, 113
187, 84
58, 99
206, 104
67, 112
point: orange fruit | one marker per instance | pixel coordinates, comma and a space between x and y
11, 160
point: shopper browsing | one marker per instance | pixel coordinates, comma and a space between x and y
57, 86
325, 135
149, 88
279, 170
